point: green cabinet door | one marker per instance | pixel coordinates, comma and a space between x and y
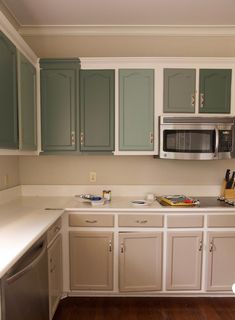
136, 113
59, 104
97, 110
27, 104
8, 95
179, 90
215, 90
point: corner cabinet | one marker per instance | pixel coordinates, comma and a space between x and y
27, 104
91, 260
136, 109
59, 104
140, 261
215, 90
97, 110
8, 94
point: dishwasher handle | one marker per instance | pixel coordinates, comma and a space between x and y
42, 249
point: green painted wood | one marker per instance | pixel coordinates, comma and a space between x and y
27, 104
8, 94
136, 113
215, 85
97, 110
59, 81
179, 90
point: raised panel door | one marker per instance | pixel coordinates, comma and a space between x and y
27, 104
140, 261
184, 260
8, 94
136, 109
179, 90
91, 260
215, 90
221, 261
97, 110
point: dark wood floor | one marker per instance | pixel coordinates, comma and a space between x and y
146, 309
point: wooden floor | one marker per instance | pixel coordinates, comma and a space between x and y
146, 309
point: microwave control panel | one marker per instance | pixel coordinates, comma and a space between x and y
225, 140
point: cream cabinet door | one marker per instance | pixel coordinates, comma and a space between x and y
91, 260
140, 261
221, 261
55, 274
184, 260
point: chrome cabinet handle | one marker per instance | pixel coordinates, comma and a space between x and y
82, 138
202, 100
141, 221
110, 246
73, 138
193, 100
211, 246
200, 246
91, 221
151, 138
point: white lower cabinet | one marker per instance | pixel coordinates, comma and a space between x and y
221, 260
91, 260
140, 261
184, 260
55, 274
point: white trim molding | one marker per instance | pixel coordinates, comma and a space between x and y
128, 30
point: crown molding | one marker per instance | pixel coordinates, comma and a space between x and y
131, 30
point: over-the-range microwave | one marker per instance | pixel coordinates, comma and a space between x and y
197, 138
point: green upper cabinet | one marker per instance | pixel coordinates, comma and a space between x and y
27, 104
136, 109
8, 94
59, 83
215, 90
97, 110
179, 90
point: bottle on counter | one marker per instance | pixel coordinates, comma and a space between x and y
107, 195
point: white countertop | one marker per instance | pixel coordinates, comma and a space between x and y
24, 220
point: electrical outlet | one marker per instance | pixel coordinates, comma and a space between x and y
92, 176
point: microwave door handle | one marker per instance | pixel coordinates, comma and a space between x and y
216, 143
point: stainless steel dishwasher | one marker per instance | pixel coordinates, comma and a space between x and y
24, 289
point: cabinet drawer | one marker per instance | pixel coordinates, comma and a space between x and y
54, 230
221, 221
185, 221
90, 220
129, 220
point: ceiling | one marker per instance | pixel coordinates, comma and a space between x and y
122, 12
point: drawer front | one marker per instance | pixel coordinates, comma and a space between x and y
91, 220
185, 221
140, 220
54, 230
220, 221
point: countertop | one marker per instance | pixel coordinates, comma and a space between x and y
24, 220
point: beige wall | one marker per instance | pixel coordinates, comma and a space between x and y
125, 170
74, 46
121, 170
9, 165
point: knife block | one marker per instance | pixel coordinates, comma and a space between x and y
229, 194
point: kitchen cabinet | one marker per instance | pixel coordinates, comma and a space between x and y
27, 104
97, 110
140, 261
221, 260
8, 94
215, 90
59, 105
55, 274
91, 260
136, 109
179, 90
184, 260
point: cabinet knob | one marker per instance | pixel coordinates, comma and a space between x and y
91, 221
193, 100
73, 138
82, 138
151, 138
211, 246
200, 246
110, 246
202, 100
122, 247
141, 221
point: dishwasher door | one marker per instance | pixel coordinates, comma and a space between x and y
25, 287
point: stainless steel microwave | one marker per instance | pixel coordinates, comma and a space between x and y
197, 138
